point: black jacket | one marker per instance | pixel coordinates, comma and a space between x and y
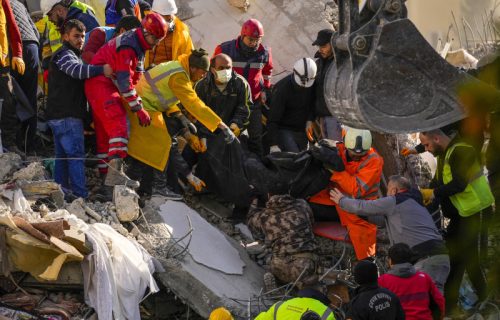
291, 107
27, 28
370, 302
320, 108
232, 105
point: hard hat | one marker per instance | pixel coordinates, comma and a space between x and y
154, 24
220, 314
304, 72
165, 7
47, 5
252, 28
358, 140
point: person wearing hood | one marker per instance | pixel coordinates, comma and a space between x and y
291, 107
416, 290
178, 40
369, 300
407, 221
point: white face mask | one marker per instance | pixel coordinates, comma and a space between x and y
223, 76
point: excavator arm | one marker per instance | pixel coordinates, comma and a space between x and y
386, 77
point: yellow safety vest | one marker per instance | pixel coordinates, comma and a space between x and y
153, 99
52, 37
82, 6
295, 309
477, 195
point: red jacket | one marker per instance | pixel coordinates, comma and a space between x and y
415, 289
256, 69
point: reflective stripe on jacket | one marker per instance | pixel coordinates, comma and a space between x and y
477, 195
293, 309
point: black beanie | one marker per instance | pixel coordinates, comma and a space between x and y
365, 272
199, 59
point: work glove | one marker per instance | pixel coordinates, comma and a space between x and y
274, 149
143, 116
230, 137
405, 152
185, 122
17, 64
427, 195
236, 130
196, 182
198, 145
310, 131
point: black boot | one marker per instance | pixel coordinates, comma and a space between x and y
160, 187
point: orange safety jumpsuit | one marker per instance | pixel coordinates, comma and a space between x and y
360, 180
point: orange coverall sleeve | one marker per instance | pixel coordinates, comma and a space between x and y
359, 184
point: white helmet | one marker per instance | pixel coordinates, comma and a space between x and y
47, 5
358, 140
164, 7
304, 72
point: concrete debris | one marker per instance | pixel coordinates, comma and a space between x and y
42, 189
242, 4
9, 162
33, 172
127, 204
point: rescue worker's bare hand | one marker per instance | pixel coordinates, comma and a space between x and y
144, 118
236, 130
310, 131
196, 182
336, 195
405, 152
108, 71
427, 195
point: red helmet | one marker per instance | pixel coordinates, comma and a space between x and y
154, 24
252, 28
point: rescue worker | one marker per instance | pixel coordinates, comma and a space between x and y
220, 313
60, 11
310, 304
50, 41
360, 179
254, 62
117, 9
407, 221
285, 225
10, 40
463, 192
125, 54
178, 40
328, 125
415, 289
370, 301
66, 108
101, 35
291, 105
29, 80
162, 88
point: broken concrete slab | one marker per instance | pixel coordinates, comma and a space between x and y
33, 172
9, 162
206, 244
126, 202
199, 286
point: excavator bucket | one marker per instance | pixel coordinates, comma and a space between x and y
386, 77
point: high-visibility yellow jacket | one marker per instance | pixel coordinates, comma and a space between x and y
50, 36
181, 44
293, 309
161, 88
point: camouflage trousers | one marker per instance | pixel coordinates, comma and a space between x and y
288, 268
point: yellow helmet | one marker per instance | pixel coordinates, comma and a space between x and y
220, 314
358, 140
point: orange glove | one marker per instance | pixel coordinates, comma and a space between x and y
17, 64
310, 131
405, 152
196, 182
236, 130
198, 145
428, 195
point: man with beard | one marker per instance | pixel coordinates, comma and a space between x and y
254, 62
61, 11
292, 103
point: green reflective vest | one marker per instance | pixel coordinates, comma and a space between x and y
82, 6
477, 195
148, 87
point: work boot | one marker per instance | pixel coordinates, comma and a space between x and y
116, 176
160, 187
